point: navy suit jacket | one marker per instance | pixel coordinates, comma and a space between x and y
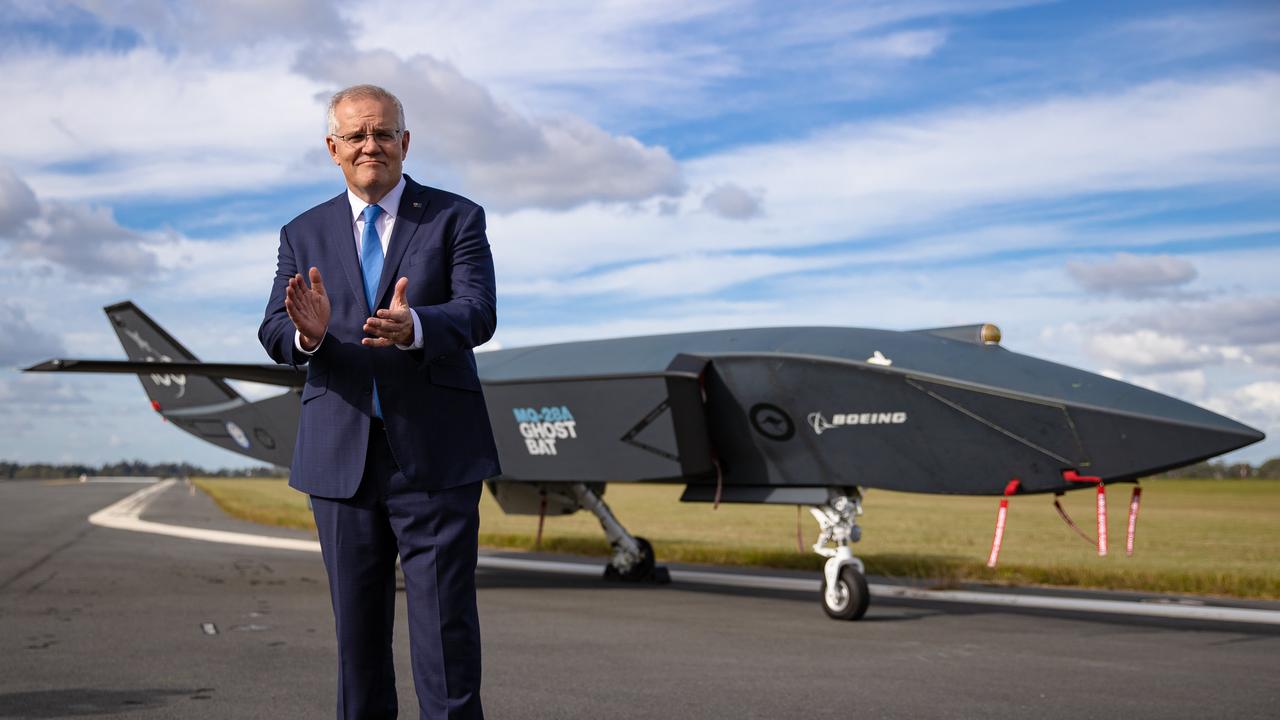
436, 422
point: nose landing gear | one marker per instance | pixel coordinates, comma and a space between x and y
844, 583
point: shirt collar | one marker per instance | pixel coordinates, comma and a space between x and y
390, 202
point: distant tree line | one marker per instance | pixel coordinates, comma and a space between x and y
1269, 469
127, 468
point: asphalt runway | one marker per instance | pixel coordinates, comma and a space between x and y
101, 622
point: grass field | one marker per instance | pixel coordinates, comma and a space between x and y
1215, 537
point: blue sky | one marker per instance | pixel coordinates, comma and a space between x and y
1102, 180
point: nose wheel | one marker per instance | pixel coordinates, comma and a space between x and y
849, 599
844, 593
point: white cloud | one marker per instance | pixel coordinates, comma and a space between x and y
252, 117
1241, 321
911, 170
733, 202
240, 266
510, 159
910, 176
1238, 333
191, 131
905, 45
146, 123
227, 103
801, 25
607, 62
1147, 351
17, 202
21, 393
686, 275
1257, 403
21, 341
86, 241
1133, 275
200, 26
637, 65
1266, 353
1184, 384
1261, 397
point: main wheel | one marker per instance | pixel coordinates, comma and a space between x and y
644, 567
852, 597
639, 571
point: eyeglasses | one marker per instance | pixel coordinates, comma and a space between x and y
382, 137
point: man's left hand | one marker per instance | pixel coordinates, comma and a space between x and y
392, 326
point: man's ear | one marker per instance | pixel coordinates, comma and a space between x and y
333, 149
404, 144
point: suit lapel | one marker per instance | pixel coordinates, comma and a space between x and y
342, 238
413, 203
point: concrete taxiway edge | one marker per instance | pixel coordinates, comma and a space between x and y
126, 515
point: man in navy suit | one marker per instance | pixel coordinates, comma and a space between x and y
394, 438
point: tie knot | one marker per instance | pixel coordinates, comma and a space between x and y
371, 212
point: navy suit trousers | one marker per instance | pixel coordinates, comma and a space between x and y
435, 535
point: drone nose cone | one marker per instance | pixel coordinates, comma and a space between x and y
1105, 427
1124, 445
1131, 431
1252, 435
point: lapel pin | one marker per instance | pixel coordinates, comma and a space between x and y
417, 204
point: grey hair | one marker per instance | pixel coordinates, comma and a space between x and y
362, 91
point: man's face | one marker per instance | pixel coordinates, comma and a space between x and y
371, 168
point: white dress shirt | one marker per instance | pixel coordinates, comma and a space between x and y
384, 224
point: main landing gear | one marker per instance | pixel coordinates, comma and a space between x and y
844, 583
632, 559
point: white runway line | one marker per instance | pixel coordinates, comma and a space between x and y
1115, 607
125, 515
489, 562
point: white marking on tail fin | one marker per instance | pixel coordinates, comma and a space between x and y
161, 379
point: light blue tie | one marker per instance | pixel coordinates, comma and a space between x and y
371, 263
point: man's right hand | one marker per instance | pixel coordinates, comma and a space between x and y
308, 308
